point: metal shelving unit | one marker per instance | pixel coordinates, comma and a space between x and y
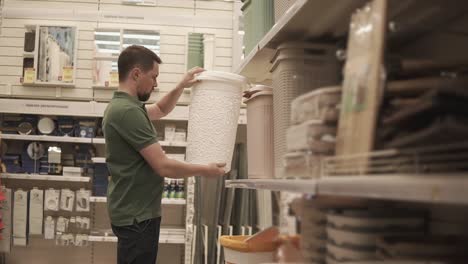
165, 201
39, 177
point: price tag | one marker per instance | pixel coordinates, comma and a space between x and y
29, 75
67, 74
114, 78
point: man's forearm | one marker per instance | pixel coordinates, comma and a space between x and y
175, 169
169, 101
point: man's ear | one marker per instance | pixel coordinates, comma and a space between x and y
135, 73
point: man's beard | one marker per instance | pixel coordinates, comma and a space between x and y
144, 97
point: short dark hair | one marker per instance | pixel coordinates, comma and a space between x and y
136, 56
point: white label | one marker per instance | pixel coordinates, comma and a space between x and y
52, 200
36, 211
67, 200
20, 213
49, 228
82, 200
61, 224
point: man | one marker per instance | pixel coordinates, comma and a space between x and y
136, 162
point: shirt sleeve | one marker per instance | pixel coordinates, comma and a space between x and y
136, 129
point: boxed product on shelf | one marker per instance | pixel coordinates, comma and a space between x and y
302, 164
180, 135
72, 171
49, 228
6, 213
65, 126
321, 104
82, 200
86, 128
20, 218
67, 200
36, 211
169, 132
12, 163
52, 200
311, 135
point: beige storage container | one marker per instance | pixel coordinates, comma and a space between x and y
302, 164
312, 135
321, 104
260, 132
297, 68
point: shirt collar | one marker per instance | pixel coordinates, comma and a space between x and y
124, 95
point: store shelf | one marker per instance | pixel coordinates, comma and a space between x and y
99, 199
103, 87
28, 54
45, 138
99, 141
39, 177
167, 236
305, 20
302, 186
98, 160
50, 84
162, 143
446, 188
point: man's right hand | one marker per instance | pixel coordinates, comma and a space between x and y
215, 170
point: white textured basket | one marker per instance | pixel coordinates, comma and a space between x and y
213, 117
260, 133
297, 69
238, 257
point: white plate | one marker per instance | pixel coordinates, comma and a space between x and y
46, 125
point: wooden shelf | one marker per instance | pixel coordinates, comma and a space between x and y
301, 186
305, 20
446, 188
38, 177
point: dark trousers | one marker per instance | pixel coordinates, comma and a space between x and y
138, 243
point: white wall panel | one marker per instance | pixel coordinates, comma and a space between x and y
223, 42
51, 4
84, 74
11, 70
171, 68
86, 83
86, 34
11, 61
4, 79
176, 3
11, 51
223, 61
173, 49
223, 52
12, 32
11, 42
219, 33
170, 77
86, 44
84, 64
214, 5
172, 39
173, 58
85, 54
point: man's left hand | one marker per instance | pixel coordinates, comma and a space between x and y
189, 78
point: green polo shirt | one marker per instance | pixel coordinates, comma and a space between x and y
135, 190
